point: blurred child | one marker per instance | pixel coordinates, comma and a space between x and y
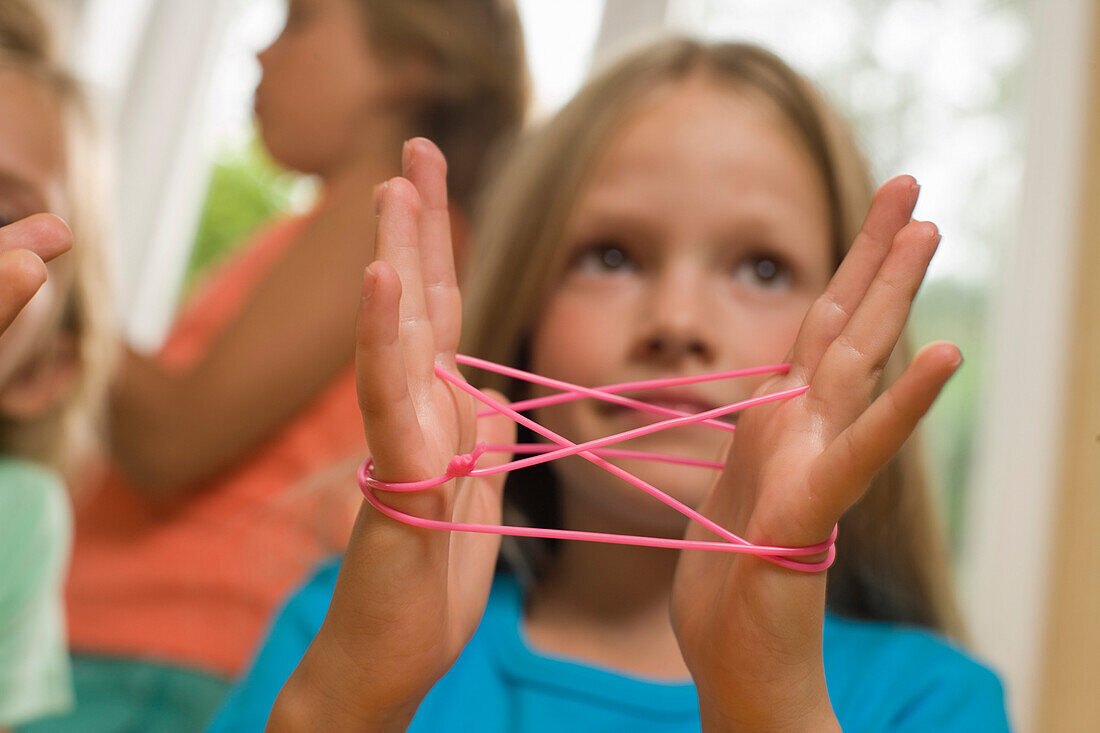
222, 495
697, 208
35, 524
54, 352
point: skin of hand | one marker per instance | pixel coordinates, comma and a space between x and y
25, 247
751, 631
407, 600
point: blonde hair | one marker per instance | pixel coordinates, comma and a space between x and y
892, 563
478, 87
84, 313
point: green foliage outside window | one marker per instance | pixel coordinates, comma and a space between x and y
247, 188
948, 310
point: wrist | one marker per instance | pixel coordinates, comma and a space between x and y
323, 694
792, 708
821, 719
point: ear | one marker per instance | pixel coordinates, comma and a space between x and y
41, 384
460, 238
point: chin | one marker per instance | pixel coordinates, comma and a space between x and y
623, 508
687, 484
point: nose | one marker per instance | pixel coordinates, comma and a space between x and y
676, 317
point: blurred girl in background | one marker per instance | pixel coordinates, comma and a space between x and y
54, 355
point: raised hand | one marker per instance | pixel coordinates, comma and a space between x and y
750, 631
25, 247
407, 600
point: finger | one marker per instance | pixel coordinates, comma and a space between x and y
425, 166
44, 234
390, 423
846, 467
22, 273
852, 364
397, 244
890, 211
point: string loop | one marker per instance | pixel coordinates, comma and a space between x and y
597, 451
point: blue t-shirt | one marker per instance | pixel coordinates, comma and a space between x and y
881, 677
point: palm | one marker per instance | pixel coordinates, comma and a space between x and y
779, 446
796, 466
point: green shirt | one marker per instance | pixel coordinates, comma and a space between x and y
35, 535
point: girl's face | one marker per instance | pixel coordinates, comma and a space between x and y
321, 85
698, 246
32, 175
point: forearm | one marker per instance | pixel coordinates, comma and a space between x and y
147, 434
169, 431
290, 339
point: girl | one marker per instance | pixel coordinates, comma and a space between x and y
34, 507
342, 86
54, 351
210, 514
696, 208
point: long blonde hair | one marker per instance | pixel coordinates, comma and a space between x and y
84, 313
478, 86
892, 563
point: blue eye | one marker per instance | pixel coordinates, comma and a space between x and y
763, 271
604, 257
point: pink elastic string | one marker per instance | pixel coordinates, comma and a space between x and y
595, 451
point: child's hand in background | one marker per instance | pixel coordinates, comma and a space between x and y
25, 247
407, 600
751, 631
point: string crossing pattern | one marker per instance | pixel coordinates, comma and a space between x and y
597, 451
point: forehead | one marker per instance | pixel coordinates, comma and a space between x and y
31, 149
696, 144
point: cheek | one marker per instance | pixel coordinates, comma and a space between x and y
578, 342
311, 102
306, 130
574, 341
765, 331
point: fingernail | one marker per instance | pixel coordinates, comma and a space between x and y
406, 158
914, 194
369, 280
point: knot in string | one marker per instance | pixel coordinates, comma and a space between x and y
463, 465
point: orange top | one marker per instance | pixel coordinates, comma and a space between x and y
198, 585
